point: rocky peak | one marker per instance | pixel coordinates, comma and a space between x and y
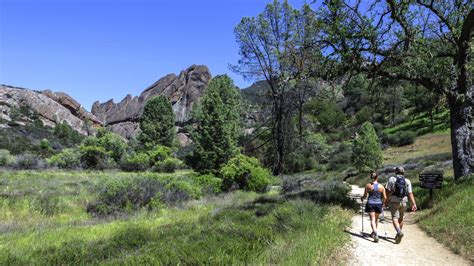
182, 90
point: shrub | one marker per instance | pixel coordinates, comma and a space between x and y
159, 153
94, 157
340, 157
112, 143
177, 191
402, 138
245, 173
28, 161
6, 158
135, 162
168, 165
66, 159
209, 183
407, 138
366, 151
116, 196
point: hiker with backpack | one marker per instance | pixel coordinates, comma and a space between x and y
376, 197
399, 191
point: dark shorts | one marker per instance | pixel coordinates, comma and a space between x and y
373, 208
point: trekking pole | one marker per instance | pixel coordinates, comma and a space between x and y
362, 213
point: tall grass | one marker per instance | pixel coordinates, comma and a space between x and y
451, 218
43, 220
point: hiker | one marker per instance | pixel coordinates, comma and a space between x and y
377, 196
399, 190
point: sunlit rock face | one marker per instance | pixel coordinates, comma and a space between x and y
182, 90
51, 107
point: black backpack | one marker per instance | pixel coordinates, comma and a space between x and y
400, 187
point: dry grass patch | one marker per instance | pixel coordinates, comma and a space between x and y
434, 143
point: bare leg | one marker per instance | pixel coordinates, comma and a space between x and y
400, 222
396, 224
373, 221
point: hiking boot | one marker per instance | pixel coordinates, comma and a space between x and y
376, 238
398, 237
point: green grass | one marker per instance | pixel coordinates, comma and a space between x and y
43, 220
422, 124
451, 218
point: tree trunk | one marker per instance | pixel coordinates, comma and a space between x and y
278, 134
462, 133
300, 122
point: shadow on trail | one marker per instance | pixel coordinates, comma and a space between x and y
360, 235
366, 236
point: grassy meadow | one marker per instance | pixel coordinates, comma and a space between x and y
44, 219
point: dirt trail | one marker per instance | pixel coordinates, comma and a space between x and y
416, 248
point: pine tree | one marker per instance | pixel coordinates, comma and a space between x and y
217, 119
157, 123
366, 152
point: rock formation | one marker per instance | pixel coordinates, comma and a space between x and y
51, 107
182, 90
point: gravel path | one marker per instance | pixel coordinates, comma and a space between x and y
416, 248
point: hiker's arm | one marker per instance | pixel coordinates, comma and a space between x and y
412, 201
384, 195
388, 193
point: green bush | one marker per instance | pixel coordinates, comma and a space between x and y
401, 138
66, 159
28, 161
177, 191
117, 196
407, 138
6, 158
135, 162
159, 153
112, 143
245, 172
94, 157
209, 183
168, 165
340, 157
366, 151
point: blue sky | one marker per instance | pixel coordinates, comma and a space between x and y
103, 49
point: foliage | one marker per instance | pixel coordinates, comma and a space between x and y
45, 148
6, 158
401, 138
178, 190
168, 165
135, 162
66, 159
94, 157
28, 161
327, 114
217, 118
125, 194
244, 172
340, 156
159, 153
366, 150
68, 136
278, 45
209, 183
112, 143
157, 123
452, 208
